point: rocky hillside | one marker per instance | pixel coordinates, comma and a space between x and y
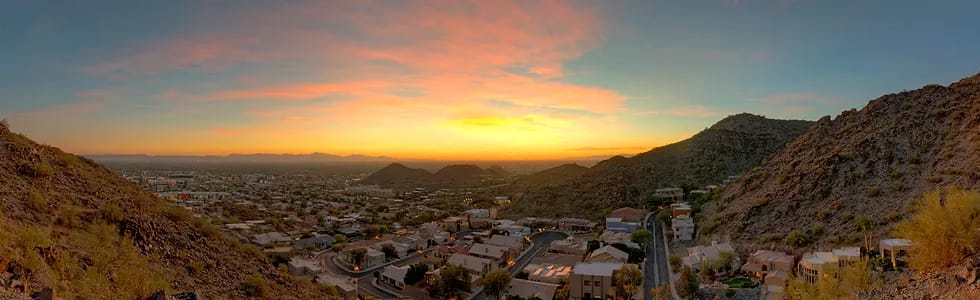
399, 177
75, 228
552, 176
729, 147
866, 164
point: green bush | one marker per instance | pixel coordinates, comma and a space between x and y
797, 238
873, 192
111, 213
68, 216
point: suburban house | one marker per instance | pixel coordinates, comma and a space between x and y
896, 248
515, 230
270, 238
479, 213
550, 273
816, 265
618, 225
394, 276
698, 255
491, 252
674, 194
300, 266
628, 214
479, 266
763, 262
569, 246
317, 243
347, 289
609, 254
576, 225
678, 209
525, 289
512, 243
593, 280
372, 258
454, 224
683, 227
611, 237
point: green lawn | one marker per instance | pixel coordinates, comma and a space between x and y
739, 283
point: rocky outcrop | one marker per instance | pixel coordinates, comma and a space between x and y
732, 146
869, 163
958, 282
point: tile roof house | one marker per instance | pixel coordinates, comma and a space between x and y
628, 214
550, 273
269, 238
479, 266
526, 289
490, 252
609, 254
510, 242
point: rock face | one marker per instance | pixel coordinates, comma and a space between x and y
869, 163
958, 282
729, 147
50, 201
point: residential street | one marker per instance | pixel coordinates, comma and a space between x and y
655, 267
541, 242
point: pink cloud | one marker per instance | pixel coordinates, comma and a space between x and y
97, 94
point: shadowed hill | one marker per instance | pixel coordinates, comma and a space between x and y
552, 176
730, 147
399, 177
76, 227
864, 164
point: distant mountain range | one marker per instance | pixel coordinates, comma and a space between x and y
237, 158
400, 177
730, 147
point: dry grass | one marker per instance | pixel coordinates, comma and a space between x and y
944, 229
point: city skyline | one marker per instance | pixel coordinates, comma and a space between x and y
454, 80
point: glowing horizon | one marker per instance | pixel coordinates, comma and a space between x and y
474, 80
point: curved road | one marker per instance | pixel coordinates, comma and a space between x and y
541, 242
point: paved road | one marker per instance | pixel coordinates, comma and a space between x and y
364, 286
541, 242
655, 267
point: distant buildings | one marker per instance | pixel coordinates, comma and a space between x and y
300, 266
626, 219
394, 276
679, 209
479, 266
772, 267
699, 255
672, 194
683, 227
526, 289
369, 191
347, 289
576, 225
270, 238
317, 243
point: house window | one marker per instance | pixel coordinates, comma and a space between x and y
587, 282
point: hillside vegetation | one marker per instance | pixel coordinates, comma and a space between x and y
729, 147
857, 173
76, 228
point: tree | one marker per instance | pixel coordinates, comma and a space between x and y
849, 281
865, 226
592, 246
641, 236
389, 251
943, 229
661, 292
628, 279
416, 273
688, 284
725, 260
357, 256
563, 292
522, 275
495, 282
340, 238
453, 281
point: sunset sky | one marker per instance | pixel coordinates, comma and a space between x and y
454, 79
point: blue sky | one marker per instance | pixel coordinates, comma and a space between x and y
454, 79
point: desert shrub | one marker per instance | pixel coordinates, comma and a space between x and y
27, 240
873, 192
254, 251
710, 225
37, 200
115, 268
195, 268
69, 161
255, 286
822, 215
675, 261
41, 169
943, 228
797, 238
111, 213
68, 216
176, 214
759, 202
206, 228
769, 238
817, 229
850, 281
